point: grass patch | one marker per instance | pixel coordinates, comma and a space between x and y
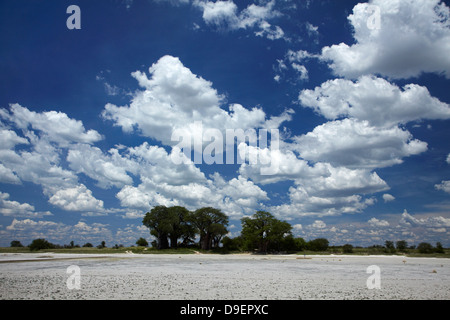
148, 250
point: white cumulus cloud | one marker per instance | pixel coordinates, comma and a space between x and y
404, 39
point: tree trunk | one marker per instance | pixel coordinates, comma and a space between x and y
173, 242
163, 243
205, 241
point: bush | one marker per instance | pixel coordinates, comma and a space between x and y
320, 244
425, 247
401, 245
232, 244
439, 248
40, 244
16, 244
347, 248
141, 242
389, 245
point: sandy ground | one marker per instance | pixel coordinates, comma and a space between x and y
224, 277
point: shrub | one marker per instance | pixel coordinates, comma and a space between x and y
40, 244
319, 244
347, 248
425, 247
142, 242
439, 248
16, 244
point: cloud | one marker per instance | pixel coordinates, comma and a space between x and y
175, 99
340, 191
57, 232
8, 176
219, 12
388, 197
301, 69
375, 100
319, 224
427, 222
448, 158
108, 170
444, 186
397, 39
225, 15
374, 222
78, 198
357, 144
16, 209
367, 117
38, 164
56, 126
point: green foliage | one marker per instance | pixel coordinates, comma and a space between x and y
142, 242
439, 248
16, 244
319, 244
179, 223
102, 245
211, 225
160, 225
264, 232
389, 247
401, 245
40, 244
232, 244
425, 247
347, 248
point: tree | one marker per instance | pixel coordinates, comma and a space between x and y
347, 248
439, 248
180, 226
102, 245
300, 244
425, 247
157, 220
87, 245
40, 244
16, 244
401, 245
232, 244
142, 242
319, 244
389, 245
170, 223
211, 224
262, 230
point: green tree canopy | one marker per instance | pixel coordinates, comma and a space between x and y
142, 242
160, 225
211, 224
262, 230
319, 244
425, 247
40, 244
180, 226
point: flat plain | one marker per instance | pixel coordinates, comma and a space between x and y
221, 277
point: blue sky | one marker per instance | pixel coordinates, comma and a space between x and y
358, 92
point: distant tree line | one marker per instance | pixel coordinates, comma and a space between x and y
176, 226
43, 244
